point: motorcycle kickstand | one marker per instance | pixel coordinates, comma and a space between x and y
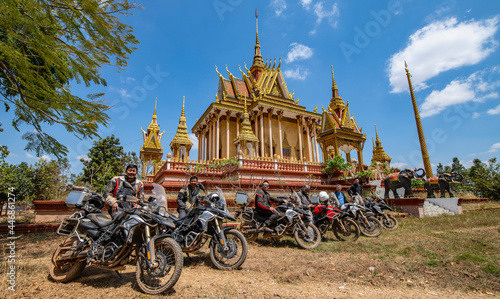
119, 275
190, 259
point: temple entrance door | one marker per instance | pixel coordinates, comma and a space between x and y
286, 153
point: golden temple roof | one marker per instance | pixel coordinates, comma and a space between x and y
152, 138
181, 137
379, 153
336, 102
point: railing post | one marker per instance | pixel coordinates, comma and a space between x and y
168, 162
305, 166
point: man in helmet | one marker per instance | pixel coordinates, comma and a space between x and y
323, 204
122, 186
263, 207
189, 196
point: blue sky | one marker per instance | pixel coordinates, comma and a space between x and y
452, 50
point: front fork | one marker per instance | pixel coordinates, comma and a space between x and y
150, 248
220, 233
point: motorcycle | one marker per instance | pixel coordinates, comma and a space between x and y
368, 224
378, 208
132, 236
228, 247
290, 222
344, 228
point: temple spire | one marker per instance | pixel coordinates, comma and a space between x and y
335, 89
379, 154
336, 102
258, 62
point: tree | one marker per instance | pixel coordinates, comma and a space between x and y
44, 46
106, 159
334, 167
485, 178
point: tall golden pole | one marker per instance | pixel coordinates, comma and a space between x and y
423, 145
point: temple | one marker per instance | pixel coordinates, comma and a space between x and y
379, 154
257, 121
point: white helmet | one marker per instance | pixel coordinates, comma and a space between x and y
323, 197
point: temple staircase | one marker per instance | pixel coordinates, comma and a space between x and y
431, 210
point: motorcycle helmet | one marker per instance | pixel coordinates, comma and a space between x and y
323, 197
96, 202
213, 197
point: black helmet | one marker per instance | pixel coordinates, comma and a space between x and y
131, 165
97, 202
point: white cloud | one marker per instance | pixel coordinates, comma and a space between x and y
122, 91
459, 91
439, 47
400, 165
475, 115
279, 6
43, 157
127, 80
494, 148
305, 3
84, 157
194, 139
321, 13
494, 111
297, 73
298, 52
12, 155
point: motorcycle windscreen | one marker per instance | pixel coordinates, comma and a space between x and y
221, 203
161, 198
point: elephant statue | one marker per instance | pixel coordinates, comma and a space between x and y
402, 179
442, 183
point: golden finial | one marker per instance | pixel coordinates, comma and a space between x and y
183, 100
324, 111
217, 71
316, 109
334, 85
279, 65
274, 65
156, 100
244, 63
216, 98
228, 71
297, 102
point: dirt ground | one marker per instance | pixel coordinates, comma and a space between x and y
272, 269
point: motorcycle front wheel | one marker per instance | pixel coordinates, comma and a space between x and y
309, 239
167, 269
66, 270
390, 222
251, 237
231, 255
348, 231
371, 229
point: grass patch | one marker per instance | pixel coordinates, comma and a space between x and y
468, 257
432, 263
491, 269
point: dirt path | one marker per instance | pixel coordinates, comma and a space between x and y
272, 270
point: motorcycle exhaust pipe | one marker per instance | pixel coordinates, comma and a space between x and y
251, 231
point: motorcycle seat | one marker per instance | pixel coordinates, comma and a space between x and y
99, 219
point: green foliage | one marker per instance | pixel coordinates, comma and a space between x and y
364, 175
44, 46
40, 181
106, 159
417, 184
484, 179
335, 166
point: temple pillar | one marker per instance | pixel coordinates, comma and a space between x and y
299, 131
228, 116
360, 160
280, 146
348, 158
217, 145
261, 131
309, 148
256, 130
316, 145
270, 116
238, 118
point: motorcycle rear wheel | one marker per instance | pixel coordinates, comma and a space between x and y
67, 271
372, 229
390, 222
232, 256
162, 278
350, 233
309, 239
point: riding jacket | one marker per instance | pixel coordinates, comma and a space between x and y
119, 187
262, 199
187, 198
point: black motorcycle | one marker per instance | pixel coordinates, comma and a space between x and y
368, 224
378, 208
132, 236
228, 247
290, 222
